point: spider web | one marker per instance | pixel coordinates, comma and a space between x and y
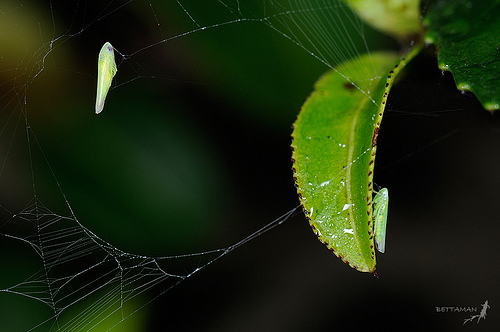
84, 281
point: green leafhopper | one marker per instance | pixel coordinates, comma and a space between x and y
380, 208
106, 72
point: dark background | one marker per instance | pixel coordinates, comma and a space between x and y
191, 153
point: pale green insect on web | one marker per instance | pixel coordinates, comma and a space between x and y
380, 209
106, 72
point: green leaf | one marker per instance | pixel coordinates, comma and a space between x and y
398, 18
334, 145
467, 36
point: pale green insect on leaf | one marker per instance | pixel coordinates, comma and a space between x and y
380, 208
106, 72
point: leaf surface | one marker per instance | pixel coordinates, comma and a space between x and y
467, 37
334, 145
398, 18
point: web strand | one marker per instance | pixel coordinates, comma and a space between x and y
76, 266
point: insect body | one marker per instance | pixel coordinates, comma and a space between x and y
106, 72
380, 207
